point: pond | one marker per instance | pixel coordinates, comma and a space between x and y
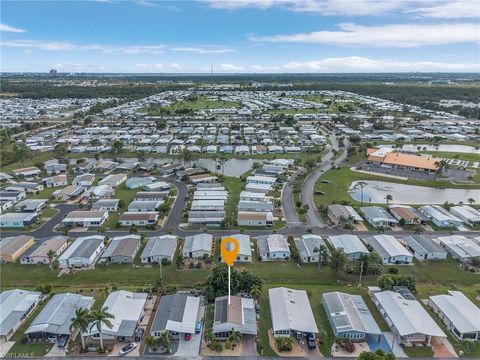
465, 149
232, 167
375, 192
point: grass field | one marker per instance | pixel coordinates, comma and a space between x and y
453, 155
201, 103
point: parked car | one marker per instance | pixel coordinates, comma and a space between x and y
187, 337
128, 348
198, 327
62, 341
311, 341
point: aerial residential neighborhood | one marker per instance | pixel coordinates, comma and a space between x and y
214, 179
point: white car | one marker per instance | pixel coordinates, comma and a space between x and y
128, 348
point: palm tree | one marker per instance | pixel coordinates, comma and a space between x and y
101, 317
164, 340
388, 198
235, 336
361, 185
321, 254
80, 321
255, 291
471, 201
208, 335
51, 255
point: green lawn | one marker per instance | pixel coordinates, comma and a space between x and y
425, 352
234, 186
201, 103
453, 155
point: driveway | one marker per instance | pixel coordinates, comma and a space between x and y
190, 349
249, 346
56, 351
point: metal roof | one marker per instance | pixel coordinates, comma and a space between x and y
239, 315
351, 244
56, 316
244, 247
422, 244
387, 246
14, 304
177, 313
83, 247
164, 245
198, 242
308, 243
291, 310
122, 246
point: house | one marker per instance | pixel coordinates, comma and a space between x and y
197, 246
84, 180
17, 220
265, 180
390, 249
177, 314
273, 247
158, 185
69, 192
29, 173
252, 196
459, 314
56, 181
408, 214
13, 196
378, 216
210, 195
308, 247
440, 216
258, 188
44, 251
342, 214
127, 309
159, 248
150, 195
16, 305
203, 178
207, 205
206, 218
28, 187
144, 206
460, 247
84, 167
5, 205
55, 167
31, 205
350, 317
246, 218
291, 312
467, 214
139, 182
244, 253
113, 180
55, 319
105, 205
424, 248
101, 192
407, 319
83, 218
83, 252
238, 315
398, 160
138, 218
255, 206
11, 248
121, 250
350, 244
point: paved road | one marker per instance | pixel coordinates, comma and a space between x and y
179, 205
288, 204
313, 216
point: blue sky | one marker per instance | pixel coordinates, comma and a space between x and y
241, 36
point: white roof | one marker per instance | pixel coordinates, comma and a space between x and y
189, 319
439, 213
408, 316
351, 244
462, 246
291, 310
466, 212
127, 308
460, 310
14, 304
277, 242
243, 243
389, 245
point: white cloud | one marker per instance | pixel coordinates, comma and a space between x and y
392, 35
230, 67
147, 3
75, 67
449, 10
8, 28
426, 8
363, 64
203, 50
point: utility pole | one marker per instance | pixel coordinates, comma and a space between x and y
161, 270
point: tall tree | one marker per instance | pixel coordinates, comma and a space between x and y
338, 260
101, 317
117, 146
21, 152
80, 321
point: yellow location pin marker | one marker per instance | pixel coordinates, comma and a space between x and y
229, 255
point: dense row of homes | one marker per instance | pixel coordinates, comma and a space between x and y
393, 215
290, 310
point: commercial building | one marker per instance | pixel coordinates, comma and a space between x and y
291, 312
159, 248
350, 317
398, 160
459, 314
